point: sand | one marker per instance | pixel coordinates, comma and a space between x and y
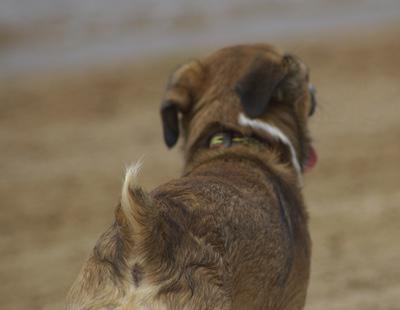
66, 138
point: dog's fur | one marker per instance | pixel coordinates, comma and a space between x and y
231, 233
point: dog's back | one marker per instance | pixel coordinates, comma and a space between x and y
235, 247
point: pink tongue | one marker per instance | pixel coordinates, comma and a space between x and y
311, 160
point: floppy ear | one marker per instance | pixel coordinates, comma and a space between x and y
181, 90
295, 82
257, 86
170, 123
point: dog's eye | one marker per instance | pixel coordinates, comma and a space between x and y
312, 90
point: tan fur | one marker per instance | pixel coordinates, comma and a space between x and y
232, 232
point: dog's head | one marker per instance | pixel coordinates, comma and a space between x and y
246, 88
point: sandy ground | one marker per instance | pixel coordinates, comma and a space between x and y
65, 140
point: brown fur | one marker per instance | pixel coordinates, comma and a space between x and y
231, 233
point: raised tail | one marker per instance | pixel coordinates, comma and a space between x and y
137, 214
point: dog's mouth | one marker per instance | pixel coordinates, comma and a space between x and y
312, 159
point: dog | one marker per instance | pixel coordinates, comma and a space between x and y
231, 233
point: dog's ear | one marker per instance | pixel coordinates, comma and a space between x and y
182, 90
295, 83
257, 86
170, 123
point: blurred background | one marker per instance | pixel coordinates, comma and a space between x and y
80, 87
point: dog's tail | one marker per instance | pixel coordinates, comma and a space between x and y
137, 213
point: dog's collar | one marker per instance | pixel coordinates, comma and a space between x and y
229, 138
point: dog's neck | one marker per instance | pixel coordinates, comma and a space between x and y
232, 141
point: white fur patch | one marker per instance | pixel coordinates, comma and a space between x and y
132, 172
276, 133
130, 182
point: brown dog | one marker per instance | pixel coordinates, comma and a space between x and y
232, 232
